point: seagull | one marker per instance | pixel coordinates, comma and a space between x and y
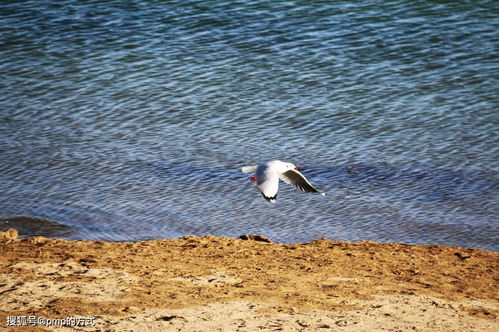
268, 175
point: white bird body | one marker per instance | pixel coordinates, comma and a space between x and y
268, 175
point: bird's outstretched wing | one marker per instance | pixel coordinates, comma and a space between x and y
297, 179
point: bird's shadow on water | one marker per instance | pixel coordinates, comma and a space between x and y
429, 182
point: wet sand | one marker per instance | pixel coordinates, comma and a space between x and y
224, 284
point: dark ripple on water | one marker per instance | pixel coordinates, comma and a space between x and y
127, 121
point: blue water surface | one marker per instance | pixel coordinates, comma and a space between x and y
129, 120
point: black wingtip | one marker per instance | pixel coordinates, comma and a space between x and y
309, 189
299, 181
270, 199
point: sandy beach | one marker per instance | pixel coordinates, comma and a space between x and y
246, 284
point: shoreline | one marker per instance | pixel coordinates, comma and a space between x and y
227, 284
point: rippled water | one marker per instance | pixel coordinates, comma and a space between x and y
126, 120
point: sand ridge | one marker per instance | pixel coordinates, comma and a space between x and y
225, 284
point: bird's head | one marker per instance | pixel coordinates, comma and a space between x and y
289, 166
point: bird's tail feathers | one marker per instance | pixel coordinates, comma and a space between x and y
248, 169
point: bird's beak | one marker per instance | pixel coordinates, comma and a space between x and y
297, 168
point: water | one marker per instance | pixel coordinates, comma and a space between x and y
128, 120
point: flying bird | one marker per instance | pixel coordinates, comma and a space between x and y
268, 174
